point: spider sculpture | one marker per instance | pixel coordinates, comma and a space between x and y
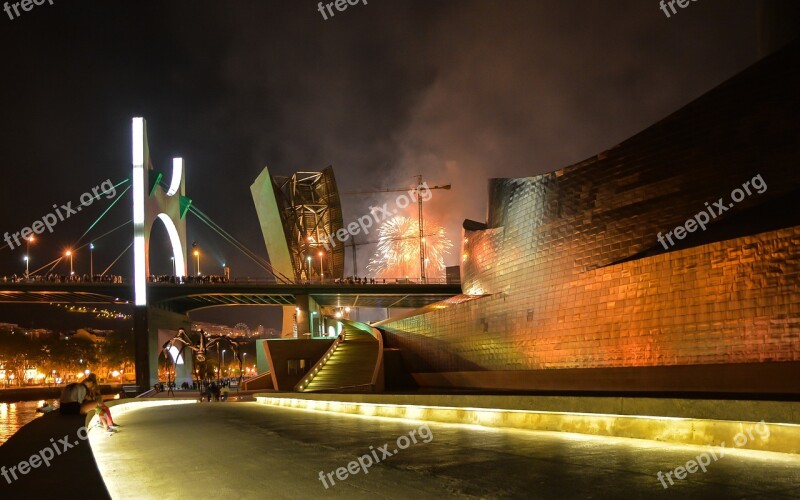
201, 348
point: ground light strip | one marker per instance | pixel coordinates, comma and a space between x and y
784, 438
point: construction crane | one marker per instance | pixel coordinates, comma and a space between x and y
420, 186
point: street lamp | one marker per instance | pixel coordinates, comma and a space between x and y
197, 255
174, 271
321, 269
69, 254
308, 259
91, 261
28, 241
219, 365
222, 367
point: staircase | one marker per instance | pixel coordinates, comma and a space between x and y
350, 364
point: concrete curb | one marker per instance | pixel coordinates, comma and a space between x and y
765, 434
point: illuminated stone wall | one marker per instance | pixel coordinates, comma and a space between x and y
570, 272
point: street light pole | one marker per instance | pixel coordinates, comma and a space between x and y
321, 270
223, 359
308, 259
69, 254
91, 261
27, 255
197, 255
174, 271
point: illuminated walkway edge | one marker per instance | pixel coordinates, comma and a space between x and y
784, 437
121, 407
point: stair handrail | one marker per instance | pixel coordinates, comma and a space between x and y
376, 373
312, 372
379, 361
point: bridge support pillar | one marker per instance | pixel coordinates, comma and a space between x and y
289, 330
303, 316
151, 328
142, 347
306, 314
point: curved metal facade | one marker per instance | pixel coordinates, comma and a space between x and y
578, 291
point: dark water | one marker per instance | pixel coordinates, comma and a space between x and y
15, 415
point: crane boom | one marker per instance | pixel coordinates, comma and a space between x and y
393, 190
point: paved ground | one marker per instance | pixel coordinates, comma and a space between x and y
245, 450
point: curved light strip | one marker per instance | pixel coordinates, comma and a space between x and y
139, 257
177, 173
177, 248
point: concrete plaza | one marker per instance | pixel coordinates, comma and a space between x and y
247, 450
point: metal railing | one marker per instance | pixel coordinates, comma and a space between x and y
219, 280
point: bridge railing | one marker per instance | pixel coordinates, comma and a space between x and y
221, 280
65, 280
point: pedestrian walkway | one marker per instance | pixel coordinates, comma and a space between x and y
246, 450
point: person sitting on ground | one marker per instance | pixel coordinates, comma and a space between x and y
75, 399
102, 411
104, 417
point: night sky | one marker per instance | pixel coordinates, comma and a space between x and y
459, 91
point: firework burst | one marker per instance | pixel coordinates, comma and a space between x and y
397, 254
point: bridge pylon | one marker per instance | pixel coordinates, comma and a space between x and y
151, 203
